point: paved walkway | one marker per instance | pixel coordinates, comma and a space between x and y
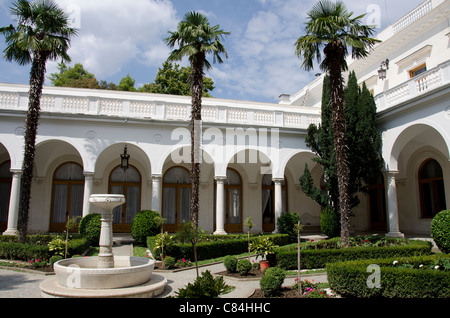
20, 284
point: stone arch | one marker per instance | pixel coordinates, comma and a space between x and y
424, 133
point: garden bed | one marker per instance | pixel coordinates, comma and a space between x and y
26, 266
254, 273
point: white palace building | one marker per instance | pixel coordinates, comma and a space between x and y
252, 153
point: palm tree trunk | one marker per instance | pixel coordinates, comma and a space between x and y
196, 117
37, 78
335, 55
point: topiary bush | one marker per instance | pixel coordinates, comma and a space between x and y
144, 225
244, 266
230, 263
169, 262
272, 281
90, 227
286, 225
330, 224
440, 230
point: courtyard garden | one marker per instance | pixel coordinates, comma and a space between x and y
370, 266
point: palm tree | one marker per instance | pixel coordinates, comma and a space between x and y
42, 33
195, 39
332, 27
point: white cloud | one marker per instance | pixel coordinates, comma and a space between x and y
113, 33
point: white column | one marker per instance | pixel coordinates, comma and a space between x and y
278, 200
157, 193
88, 183
13, 212
220, 206
392, 205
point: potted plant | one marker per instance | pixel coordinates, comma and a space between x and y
263, 246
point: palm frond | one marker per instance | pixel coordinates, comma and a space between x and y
330, 22
41, 26
195, 35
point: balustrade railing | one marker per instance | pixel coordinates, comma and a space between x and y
59, 100
414, 87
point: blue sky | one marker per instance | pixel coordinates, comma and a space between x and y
120, 37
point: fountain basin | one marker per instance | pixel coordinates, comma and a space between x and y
82, 272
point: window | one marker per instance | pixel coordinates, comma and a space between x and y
5, 193
68, 195
128, 183
418, 70
176, 198
431, 187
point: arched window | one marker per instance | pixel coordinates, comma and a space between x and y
377, 203
128, 183
431, 187
176, 198
268, 201
5, 193
68, 193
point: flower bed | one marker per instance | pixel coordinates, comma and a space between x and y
318, 254
406, 277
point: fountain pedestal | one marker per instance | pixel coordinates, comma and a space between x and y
106, 275
107, 202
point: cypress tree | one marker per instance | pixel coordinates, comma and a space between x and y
363, 140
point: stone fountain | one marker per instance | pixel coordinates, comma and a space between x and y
106, 275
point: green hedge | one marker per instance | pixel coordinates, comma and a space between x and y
286, 256
350, 279
11, 249
212, 249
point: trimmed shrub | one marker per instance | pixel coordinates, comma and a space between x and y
272, 281
26, 252
230, 263
276, 272
286, 225
244, 266
89, 228
270, 285
54, 259
440, 230
330, 224
169, 262
408, 277
144, 225
318, 256
221, 246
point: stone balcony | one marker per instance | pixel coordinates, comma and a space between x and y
158, 107
416, 86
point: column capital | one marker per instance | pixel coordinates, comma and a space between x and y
16, 172
88, 174
277, 180
220, 179
156, 177
391, 172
